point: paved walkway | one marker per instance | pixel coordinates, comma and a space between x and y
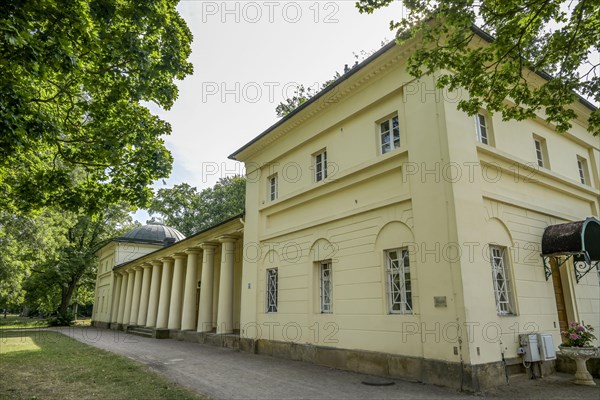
221, 373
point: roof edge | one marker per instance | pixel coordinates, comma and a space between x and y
316, 97
238, 216
478, 31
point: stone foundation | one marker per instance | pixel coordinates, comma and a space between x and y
101, 324
471, 378
465, 377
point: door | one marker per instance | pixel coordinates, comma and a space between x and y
561, 309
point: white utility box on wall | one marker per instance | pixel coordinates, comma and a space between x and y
546, 345
529, 343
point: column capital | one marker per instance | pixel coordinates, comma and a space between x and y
227, 239
193, 250
146, 265
178, 256
130, 271
166, 259
137, 268
156, 263
208, 246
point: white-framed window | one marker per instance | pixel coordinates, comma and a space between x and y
541, 151
398, 281
272, 290
389, 133
501, 280
583, 170
481, 129
320, 165
326, 287
273, 187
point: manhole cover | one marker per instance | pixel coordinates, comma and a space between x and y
377, 382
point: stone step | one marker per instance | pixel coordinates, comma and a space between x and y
140, 331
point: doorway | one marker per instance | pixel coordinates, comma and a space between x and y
559, 295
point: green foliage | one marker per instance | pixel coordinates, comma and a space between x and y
189, 211
25, 243
74, 78
70, 272
301, 95
578, 335
561, 38
62, 319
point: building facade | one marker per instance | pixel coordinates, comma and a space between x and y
387, 232
180, 284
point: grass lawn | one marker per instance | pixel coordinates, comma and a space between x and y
14, 321
49, 365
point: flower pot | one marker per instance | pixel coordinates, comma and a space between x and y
580, 355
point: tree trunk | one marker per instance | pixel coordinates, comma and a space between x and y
67, 293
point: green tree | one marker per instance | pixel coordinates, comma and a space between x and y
178, 207
301, 95
54, 282
75, 76
560, 38
189, 211
27, 242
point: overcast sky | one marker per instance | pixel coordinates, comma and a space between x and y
248, 56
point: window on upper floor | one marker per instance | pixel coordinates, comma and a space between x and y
326, 287
320, 165
541, 152
582, 167
398, 281
501, 281
272, 187
272, 290
389, 134
483, 128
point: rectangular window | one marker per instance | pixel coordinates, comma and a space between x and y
501, 280
583, 170
326, 287
272, 287
481, 128
541, 152
273, 186
389, 131
398, 281
320, 162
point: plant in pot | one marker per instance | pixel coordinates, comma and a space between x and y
577, 344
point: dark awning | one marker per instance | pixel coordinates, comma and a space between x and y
579, 239
573, 238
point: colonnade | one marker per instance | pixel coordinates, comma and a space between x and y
161, 293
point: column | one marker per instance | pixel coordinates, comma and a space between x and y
177, 292
154, 293
143, 314
188, 316
225, 306
114, 310
135, 301
205, 317
128, 297
125, 278
162, 319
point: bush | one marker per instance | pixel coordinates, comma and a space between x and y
65, 319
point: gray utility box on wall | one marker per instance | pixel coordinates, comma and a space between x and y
537, 347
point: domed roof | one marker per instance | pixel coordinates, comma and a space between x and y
153, 233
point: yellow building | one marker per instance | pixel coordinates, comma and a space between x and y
387, 232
